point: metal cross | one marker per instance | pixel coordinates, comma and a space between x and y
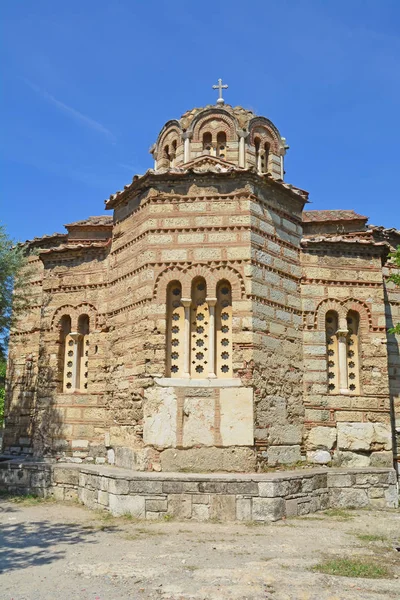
220, 87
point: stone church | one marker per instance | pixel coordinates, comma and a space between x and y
211, 322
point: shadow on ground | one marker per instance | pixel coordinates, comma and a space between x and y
36, 543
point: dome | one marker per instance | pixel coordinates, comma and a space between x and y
231, 136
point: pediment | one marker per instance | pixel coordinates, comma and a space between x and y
208, 163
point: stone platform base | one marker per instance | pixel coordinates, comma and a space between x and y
223, 497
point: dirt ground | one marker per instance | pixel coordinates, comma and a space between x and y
52, 551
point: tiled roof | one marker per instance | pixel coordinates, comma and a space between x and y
102, 220
45, 238
72, 247
318, 216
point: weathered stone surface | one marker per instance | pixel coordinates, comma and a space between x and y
268, 509
180, 506
209, 459
364, 436
321, 437
198, 422
320, 457
67, 476
283, 454
381, 459
200, 512
131, 505
237, 419
243, 509
285, 434
349, 498
351, 459
160, 413
223, 507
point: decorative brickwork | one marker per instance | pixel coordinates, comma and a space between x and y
202, 318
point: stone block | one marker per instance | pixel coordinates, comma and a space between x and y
391, 497
102, 498
237, 421
111, 456
320, 457
268, 509
291, 507
223, 507
125, 457
272, 489
68, 476
179, 487
285, 434
321, 437
207, 459
201, 499
58, 493
157, 505
381, 459
348, 498
123, 505
284, 454
180, 506
87, 497
141, 486
118, 486
200, 512
243, 509
351, 459
363, 436
198, 422
160, 417
245, 488
340, 480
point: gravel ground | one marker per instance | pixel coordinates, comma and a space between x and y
52, 551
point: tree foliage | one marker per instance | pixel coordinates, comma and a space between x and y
395, 277
14, 298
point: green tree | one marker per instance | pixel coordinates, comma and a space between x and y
395, 277
2, 389
14, 297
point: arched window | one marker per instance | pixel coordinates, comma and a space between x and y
223, 325
331, 327
343, 354
199, 329
83, 353
64, 358
167, 155
257, 144
353, 358
173, 153
207, 143
264, 154
175, 330
221, 144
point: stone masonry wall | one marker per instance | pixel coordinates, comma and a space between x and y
353, 429
260, 498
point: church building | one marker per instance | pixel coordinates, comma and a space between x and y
210, 322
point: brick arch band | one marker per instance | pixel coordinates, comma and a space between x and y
75, 312
342, 307
212, 277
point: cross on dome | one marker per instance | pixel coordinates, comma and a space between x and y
220, 87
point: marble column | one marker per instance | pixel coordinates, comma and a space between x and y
186, 302
211, 337
342, 358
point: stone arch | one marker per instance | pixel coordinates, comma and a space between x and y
211, 274
325, 306
74, 312
266, 130
227, 124
362, 309
171, 126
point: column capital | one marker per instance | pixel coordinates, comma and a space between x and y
211, 301
76, 336
186, 302
342, 333
187, 135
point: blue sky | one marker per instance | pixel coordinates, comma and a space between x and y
87, 85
